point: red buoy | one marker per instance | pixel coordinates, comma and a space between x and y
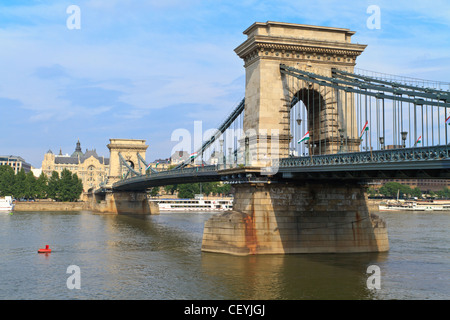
46, 250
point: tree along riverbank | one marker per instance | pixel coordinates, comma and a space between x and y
67, 187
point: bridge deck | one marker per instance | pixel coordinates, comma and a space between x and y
424, 162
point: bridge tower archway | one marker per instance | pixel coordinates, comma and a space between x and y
269, 94
321, 120
304, 122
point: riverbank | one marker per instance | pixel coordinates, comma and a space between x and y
373, 205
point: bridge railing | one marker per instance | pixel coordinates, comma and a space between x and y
176, 172
354, 158
436, 157
186, 170
378, 156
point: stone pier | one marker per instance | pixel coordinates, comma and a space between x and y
122, 203
297, 218
107, 200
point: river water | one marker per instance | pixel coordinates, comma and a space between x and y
159, 257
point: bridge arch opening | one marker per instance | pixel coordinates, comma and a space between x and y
327, 114
130, 163
306, 127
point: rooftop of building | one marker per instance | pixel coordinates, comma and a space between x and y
78, 156
12, 158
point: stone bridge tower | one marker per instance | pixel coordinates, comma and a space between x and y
106, 199
304, 215
129, 149
268, 94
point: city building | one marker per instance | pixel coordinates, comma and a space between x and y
92, 169
15, 162
425, 185
178, 157
160, 164
181, 156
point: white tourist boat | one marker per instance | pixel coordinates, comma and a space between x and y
412, 206
197, 204
6, 204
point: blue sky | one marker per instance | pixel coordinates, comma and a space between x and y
141, 69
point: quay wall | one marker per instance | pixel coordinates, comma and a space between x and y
50, 206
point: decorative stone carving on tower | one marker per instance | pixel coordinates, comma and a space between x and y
268, 94
129, 150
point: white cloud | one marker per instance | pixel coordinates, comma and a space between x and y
134, 58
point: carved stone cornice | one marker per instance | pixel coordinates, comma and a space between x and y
126, 147
261, 44
298, 52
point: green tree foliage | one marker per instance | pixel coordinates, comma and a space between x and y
188, 191
391, 189
416, 192
42, 187
53, 186
154, 191
223, 189
30, 186
207, 188
68, 187
444, 193
372, 192
19, 189
170, 189
7, 179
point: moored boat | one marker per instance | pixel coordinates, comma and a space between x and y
6, 204
194, 204
412, 206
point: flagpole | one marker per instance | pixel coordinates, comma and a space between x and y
446, 120
309, 150
365, 129
446, 140
307, 141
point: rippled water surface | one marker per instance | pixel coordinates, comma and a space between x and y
159, 257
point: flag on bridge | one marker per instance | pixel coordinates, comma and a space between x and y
448, 120
305, 138
418, 140
366, 128
193, 155
148, 167
157, 162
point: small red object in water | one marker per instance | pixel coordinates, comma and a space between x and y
46, 250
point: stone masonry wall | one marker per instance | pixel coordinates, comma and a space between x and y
288, 218
50, 206
122, 203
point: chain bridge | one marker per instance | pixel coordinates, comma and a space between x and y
300, 149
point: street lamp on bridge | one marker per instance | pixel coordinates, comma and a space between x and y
404, 135
382, 143
341, 136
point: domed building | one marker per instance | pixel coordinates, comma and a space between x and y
92, 169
